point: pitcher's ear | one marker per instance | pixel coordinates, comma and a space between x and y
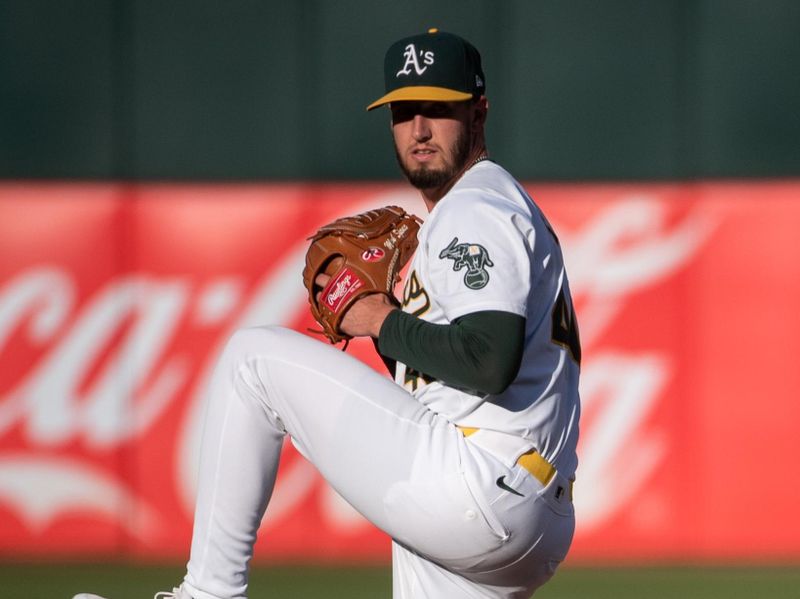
480, 111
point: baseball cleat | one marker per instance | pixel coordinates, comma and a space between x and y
176, 593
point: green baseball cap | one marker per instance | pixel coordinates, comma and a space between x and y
433, 66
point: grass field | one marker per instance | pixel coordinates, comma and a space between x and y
61, 581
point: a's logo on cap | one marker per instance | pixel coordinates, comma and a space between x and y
413, 58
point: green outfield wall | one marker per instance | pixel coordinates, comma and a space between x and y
266, 90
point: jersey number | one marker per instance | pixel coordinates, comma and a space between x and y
565, 327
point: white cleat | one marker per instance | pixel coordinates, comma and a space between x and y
176, 593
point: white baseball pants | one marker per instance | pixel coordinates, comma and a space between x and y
406, 469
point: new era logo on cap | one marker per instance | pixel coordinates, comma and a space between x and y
435, 66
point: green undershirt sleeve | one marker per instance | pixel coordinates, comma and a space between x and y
479, 352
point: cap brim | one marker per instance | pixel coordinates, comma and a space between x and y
421, 93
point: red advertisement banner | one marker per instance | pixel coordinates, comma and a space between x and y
116, 299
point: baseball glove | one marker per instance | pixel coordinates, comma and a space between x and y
362, 254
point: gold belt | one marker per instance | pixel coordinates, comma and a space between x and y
532, 461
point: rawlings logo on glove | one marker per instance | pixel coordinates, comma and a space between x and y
362, 254
339, 289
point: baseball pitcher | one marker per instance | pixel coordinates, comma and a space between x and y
468, 458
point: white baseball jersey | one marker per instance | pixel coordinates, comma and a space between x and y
486, 246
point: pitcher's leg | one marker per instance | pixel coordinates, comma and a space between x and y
415, 577
360, 430
395, 461
239, 453
354, 424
